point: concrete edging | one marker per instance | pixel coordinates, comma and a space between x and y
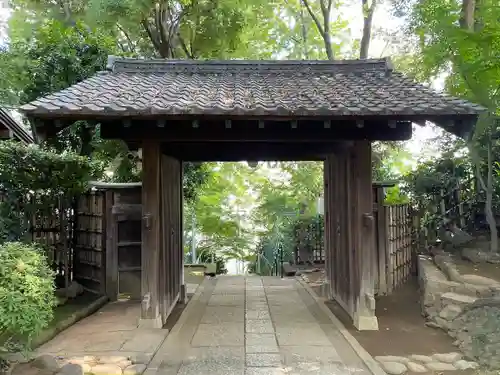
156, 361
366, 357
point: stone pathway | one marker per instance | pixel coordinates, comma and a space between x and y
105, 343
238, 325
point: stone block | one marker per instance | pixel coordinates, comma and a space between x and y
394, 368
106, 369
46, 362
391, 358
447, 357
416, 367
134, 370
440, 366
450, 312
72, 369
421, 358
456, 299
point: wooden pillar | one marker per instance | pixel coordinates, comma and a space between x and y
180, 240
111, 258
151, 235
364, 317
326, 231
381, 242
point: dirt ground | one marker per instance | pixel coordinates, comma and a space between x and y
402, 329
489, 270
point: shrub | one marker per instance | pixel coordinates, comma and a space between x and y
26, 293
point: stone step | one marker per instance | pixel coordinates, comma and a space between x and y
456, 299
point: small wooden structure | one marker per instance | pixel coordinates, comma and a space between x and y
10, 129
254, 110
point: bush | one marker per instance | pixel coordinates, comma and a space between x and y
26, 293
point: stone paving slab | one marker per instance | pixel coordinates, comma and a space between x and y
255, 326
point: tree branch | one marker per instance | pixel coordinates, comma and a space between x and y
184, 47
314, 17
129, 41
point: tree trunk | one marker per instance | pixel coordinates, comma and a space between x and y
488, 188
490, 217
323, 27
467, 18
367, 27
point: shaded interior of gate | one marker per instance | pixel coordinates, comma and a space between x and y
179, 111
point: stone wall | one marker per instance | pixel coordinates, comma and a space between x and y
467, 307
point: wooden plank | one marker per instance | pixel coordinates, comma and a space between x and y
151, 234
326, 234
364, 231
381, 228
163, 263
104, 239
111, 256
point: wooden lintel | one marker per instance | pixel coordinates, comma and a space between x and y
258, 130
239, 151
458, 124
161, 123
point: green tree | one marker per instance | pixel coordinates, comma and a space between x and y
461, 40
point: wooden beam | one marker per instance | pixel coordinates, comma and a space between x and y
240, 151
151, 235
200, 130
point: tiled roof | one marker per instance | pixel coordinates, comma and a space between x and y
133, 87
17, 130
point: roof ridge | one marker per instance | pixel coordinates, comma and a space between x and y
118, 64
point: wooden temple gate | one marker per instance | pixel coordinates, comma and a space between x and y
197, 111
349, 232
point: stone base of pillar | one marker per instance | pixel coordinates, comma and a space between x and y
150, 323
365, 322
183, 295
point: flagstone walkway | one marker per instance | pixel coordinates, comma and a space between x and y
237, 325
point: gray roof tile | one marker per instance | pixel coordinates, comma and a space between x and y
252, 88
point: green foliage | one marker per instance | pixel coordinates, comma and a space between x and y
211, 256
394, 196
26, 293
31, 178
308, 233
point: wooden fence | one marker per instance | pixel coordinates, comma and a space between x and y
89, 242
401, 252
394, 244
72, 234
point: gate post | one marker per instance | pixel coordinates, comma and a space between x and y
151, 235
364, 238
